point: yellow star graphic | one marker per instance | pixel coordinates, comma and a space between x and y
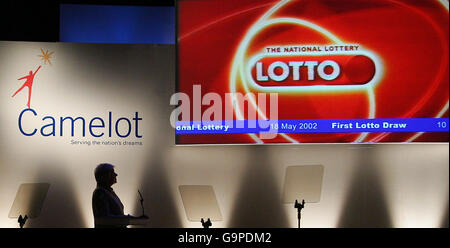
46, 56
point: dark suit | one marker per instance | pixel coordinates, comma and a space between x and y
105, 203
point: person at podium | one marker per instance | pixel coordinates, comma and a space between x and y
106, 205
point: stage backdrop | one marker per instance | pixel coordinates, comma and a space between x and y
112, 91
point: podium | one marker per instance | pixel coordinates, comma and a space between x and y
28, 202
200, 204
125, 220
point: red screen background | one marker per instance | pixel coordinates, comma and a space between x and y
410, 37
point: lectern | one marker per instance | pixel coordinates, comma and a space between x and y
122, 221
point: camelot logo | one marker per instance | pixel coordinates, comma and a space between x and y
30, 122
28, 83
29, 79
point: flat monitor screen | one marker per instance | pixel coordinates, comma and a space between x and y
311, 71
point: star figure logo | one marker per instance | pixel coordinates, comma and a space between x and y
46, 56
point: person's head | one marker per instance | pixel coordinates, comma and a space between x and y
31, 72
105, 175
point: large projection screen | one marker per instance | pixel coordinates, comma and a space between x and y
312, 71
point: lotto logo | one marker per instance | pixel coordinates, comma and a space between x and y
309, 71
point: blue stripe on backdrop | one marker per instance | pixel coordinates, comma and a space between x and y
117, 24
314, 126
